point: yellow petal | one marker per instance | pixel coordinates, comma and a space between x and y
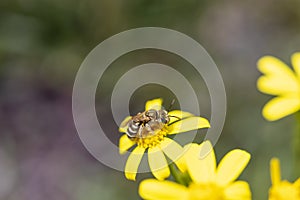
124, 125
280, 107
152, 189
178, 114
296, 63
278, 76
154, 104
201, 169
275, 86
275, 171
188, 124
285, 190
297, 183
237, 191
231, 166
158, 163
125, 143
174, 151
270, 65
133, 163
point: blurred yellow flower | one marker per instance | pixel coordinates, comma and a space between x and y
282, 190
158, 145
208, 181
281, 81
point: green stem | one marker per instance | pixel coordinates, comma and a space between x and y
181, 178
176, 174
296, 141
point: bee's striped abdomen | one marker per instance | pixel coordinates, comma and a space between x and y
133, 129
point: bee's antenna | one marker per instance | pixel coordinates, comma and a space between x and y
175, 117
172, 103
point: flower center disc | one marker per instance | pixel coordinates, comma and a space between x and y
153, 140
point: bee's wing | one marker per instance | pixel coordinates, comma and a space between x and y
150, 129
124, 124
140, 131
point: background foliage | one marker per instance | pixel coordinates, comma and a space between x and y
42, 44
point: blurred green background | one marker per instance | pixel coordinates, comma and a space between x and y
42, 44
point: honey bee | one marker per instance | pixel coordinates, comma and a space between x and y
147, 123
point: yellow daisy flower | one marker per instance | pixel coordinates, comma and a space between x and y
208, 181
281, 81
282, 190
158, 145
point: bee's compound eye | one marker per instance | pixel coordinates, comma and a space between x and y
164, 120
